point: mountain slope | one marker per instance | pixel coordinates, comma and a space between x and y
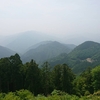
5, 52
45, 52
85, 50
38, 44
85, 55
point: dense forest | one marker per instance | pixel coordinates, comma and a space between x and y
15, 76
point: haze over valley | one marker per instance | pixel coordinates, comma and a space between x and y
32, 45
69, 22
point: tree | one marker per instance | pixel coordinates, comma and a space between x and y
83, 83
63, 78
15, 75
56, 74
10, 77
4, 74
96, 78
46, 78
67, 78
32, 77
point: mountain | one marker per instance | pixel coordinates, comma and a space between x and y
5, 52
45, 51
84, 55
85, 50
24, 40
38, 44
71, 46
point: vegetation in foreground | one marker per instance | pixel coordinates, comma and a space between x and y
55, 95
26, 81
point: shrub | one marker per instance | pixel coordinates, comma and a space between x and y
25, 95
87, 93
97, 93
58, 92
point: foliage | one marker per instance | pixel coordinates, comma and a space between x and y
57, 92
10, 73
29, 76
46, 79
32, 77
77, 58
27, 95
24, 94
63, 75
96, 78
17, 79
83, 83
18, 95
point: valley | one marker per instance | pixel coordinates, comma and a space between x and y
79, 58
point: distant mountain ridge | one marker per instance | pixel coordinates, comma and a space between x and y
5, 52
78, 57
25, 40
46, 51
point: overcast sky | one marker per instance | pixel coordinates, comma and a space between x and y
66, 18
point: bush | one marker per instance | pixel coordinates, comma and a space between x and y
25, 95
97, 93
58, 92
11, 96
87, 93
2, 95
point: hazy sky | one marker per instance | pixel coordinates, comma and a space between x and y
57, 17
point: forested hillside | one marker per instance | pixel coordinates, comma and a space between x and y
29, 76
85, 55
14, 75
78, 58
49, 49
46, 50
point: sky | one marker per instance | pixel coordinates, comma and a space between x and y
62, 18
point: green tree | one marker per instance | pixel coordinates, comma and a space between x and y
63, 78
4, 74
15, 75
46, 78
32, 77
96, 78
83, 83
56, 74
67, 78
10, 77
